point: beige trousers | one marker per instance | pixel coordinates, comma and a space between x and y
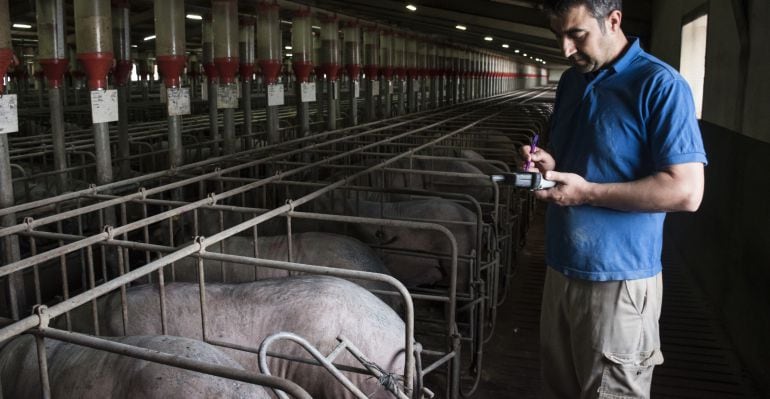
599, 339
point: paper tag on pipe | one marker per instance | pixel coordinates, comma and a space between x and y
240, 88
335, 91
308, 92
356, 89
9, 116
375, 88
275, 95
178, 101
163, 93
104, 106
227, 96
205, 90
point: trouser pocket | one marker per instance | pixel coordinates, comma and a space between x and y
628, 375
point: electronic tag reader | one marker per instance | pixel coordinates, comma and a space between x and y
525, 180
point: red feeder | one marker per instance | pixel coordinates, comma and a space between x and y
171, 67
96, 66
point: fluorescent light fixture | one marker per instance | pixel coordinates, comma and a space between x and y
488, 38
194, 17
461, 27
286, 22
315, 27
411, 7
506, 46
148, 38
289, 54
543, 62
288, 47
134, 46
22, 26
516, 51
525, 54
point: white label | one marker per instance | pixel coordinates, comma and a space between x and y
205, 90
9, 116
274, 95
163, 93
227, 96
238, 84
308, 92
416, 85
335, 93
104, 106
178, 101
356, 89
375, 88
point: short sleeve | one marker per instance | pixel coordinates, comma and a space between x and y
673, 126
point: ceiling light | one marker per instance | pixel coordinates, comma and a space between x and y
506, 46
285, 22
488, 38
194, 16
543, 62
525, 54
22, 26
289, 54
411, 7
288, 47
134, 46
315, 27
461, 27
516, 51
148, 38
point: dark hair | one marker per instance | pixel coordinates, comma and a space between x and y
600, 9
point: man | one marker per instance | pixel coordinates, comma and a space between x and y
624, 149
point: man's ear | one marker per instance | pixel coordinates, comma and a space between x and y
613, 21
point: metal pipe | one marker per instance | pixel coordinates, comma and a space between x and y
11, 254
175, 151
57, 131
103, 157
229, 130
331, 103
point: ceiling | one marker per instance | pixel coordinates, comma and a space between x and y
518, 23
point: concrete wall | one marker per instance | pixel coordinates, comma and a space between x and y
723, 90
726, 244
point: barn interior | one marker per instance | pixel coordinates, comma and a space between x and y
157, 157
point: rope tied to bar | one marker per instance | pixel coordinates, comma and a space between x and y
391, 381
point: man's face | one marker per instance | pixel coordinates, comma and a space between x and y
582, 40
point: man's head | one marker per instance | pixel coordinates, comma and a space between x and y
588, 31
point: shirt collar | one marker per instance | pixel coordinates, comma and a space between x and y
633, 50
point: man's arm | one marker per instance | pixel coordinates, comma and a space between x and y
675, 188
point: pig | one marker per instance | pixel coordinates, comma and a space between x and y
317, 308
79, 372
481, 188
410, 270
313, 248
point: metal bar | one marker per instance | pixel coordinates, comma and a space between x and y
313, 352
229, 131
175, 151
175, 361
57, 132
103, 156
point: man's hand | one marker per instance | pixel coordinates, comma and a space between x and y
570, 190
540, 160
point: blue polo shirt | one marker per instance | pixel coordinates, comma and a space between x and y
626, 122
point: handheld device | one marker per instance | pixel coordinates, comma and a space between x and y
525, 180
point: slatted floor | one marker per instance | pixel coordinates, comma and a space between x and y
699, 362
